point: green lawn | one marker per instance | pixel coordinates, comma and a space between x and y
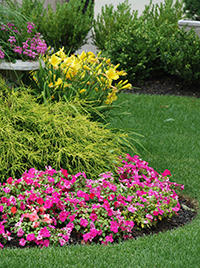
171, 129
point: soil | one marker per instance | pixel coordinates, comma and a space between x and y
167, 85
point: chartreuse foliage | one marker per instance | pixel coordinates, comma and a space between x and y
38, 135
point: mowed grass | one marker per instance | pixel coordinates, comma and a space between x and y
171, 129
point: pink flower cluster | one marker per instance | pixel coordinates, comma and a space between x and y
32, 48
48, 206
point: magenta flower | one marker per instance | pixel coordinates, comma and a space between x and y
63, 215
83, 222
45, 232
166, 173
22, 242
62, 241
1, 208
30, 237
48, 204
20, 232
109, 238
93, 216
12, 39
46, 243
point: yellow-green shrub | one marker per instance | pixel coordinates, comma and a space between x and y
39, 135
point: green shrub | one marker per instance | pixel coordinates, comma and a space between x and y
180, 54
170, 11
34, 135
193, 8
136, 48
110, 21
68, 26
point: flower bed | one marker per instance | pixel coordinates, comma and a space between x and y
45, 207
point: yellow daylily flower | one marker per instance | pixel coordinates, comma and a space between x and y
86, 67
82, 91
112, 74
61, 53
54, 60
108, 61
58, 82
128, 86
82, 56
110, 98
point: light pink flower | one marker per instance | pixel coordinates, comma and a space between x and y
22, 242
20, 232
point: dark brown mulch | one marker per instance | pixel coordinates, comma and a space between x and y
166, 85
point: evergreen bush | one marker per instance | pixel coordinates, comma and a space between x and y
193, 8
34, 135
68, 26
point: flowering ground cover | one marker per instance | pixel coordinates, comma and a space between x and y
49, 207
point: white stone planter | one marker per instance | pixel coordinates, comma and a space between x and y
15, 71
189, 25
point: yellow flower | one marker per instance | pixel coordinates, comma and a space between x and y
108, 61
61, 53
121, 73
112, 74
110, 98
50, 84
58, 82
129, 86
82, 91
86, 67
54, 60
82, 56
96, 89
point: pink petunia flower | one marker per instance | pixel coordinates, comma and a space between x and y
83, 222
30, 237
109, 238
20, 232
166, 173
22, 242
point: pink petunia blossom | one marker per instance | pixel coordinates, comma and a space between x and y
83, 222
20, 232
166, 173
109, 238
40, 201
30, 237
48, 204
46, 243
93, 216
22, 242
36, 224
62, 242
